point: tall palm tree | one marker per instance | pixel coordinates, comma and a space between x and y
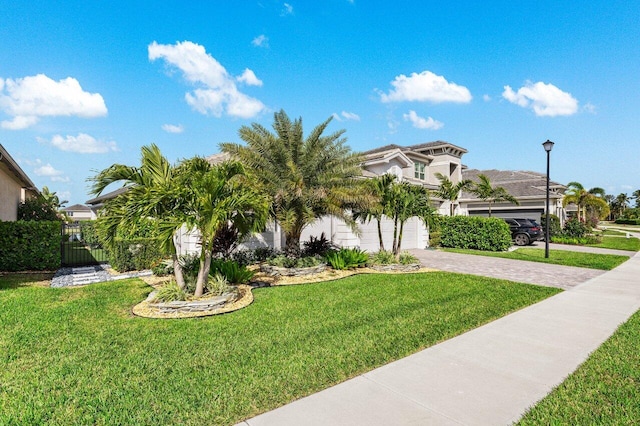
306, 178
636, 196
451, 191
147, 197
487, 192
577, 194
380, 187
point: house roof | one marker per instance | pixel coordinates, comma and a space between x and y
95, 202
218, 158
386, 156
430, 147
77, 208
520, 184
16, 171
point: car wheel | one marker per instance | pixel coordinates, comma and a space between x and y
522, 239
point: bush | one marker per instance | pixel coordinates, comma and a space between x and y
407, 258
38, 209
589, 239
231, 271
347, 258
29, 245
434, 238
477, 233
170, 292
134, 254
382, 257
218, 285
554, 224
628, 221
575, 228
89, 233
283, 261
317, 246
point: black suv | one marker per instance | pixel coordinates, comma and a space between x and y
524, 231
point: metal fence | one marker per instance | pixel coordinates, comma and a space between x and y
79, 246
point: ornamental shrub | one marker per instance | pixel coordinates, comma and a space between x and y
477, 233
30, 245
89, 233
554, 224
231, 271
628, 221
575, 228
134, 254
347, 258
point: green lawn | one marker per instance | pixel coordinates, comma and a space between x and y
78, 356
605, 390
610, 232
619, 243
81, 254
558, 257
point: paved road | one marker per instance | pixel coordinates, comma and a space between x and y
564, 277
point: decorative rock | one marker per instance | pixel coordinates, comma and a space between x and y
292, 272
396, 267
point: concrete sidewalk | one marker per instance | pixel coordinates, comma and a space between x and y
487, 376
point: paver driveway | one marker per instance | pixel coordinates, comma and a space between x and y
564, 277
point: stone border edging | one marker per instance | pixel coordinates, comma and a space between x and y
146, 310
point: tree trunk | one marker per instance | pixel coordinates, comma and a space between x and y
397, 249
395, 235
379, 219
489, 208
203, 273
177, 271
452, 208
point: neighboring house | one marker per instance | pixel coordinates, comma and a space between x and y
15, 187
95, 204
79, 212
529, 188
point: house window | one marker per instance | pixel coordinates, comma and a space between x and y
419, 170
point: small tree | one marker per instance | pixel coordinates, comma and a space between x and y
406, 201
487, 192
381, 188
451, 191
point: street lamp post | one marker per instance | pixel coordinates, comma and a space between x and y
548, 146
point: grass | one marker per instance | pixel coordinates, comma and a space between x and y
605, 389
618, 243
78, 356
558, 257
76, 253
611, 232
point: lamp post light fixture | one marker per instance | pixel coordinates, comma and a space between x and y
548, 146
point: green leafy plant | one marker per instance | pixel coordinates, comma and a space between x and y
317, 246
477, 233
575, 228
170, 292
283, 261
383, 257
217, 284
347, 258
231, 271
29, 245
407, 258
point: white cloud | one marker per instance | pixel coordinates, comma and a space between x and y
248, 77
83, 144
346, 116
546, 100
261, 41
425, 86
486, 98
219, 92
172, 128
421, 122
30, 98
286, 10
47, 170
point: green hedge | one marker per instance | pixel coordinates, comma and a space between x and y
134, 254
477, 233
628, 221
89, 233
29, 246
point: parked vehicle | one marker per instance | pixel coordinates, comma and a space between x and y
524, 231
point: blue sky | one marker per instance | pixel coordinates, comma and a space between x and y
85, 84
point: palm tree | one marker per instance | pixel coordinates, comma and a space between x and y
146, 198
305, 178
450, 191
487, 192
213, 198
636, 196
577, 194
406, 201
381, 187
51, 198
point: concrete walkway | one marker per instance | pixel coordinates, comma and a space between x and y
487, 376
